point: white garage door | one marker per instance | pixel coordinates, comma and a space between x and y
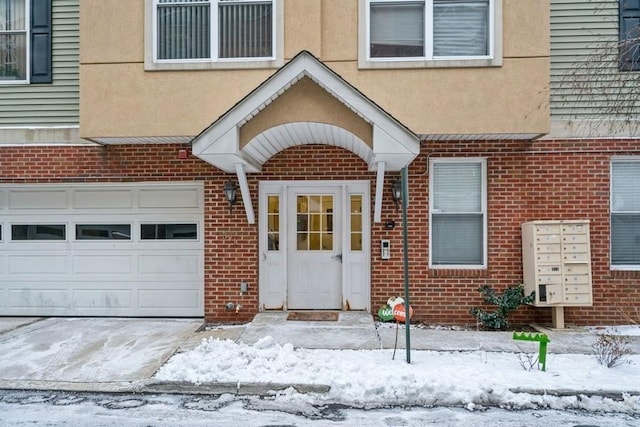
102, 250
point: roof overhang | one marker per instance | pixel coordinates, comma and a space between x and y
219, 144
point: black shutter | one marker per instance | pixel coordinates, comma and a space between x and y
41, 41
630, 35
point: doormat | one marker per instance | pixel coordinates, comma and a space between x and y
313, 316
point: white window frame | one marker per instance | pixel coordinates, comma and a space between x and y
612, 266
152, 63
483, 166
27, 32
493, 59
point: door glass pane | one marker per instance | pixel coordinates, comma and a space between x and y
356, 222
273, 223
314, 225
314, 242
327, 241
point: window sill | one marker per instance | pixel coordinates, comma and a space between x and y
213, 65
428, 63
7, 81
631, 272
457, 272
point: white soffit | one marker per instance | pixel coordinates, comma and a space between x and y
219, 143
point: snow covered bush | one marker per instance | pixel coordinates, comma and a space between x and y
611, 349
512, 298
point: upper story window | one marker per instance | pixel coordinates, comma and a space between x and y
213, 33
13, 40
629, 35
25, 41
430, 33
625, 213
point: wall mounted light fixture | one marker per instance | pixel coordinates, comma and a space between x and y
396, 192
230, 193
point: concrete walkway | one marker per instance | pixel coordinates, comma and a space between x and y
357, 330
119, 355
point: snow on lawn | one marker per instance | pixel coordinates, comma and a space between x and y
370, 378
626, 330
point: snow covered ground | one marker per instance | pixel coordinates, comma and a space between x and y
373, 379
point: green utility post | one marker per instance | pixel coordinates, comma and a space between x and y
542, 339
405, 248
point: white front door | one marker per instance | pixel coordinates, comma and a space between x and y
314, 248
314, 245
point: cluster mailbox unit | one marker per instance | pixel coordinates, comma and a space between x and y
557, 265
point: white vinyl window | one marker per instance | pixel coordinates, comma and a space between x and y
625, 214
13, 41
187, 31
458, 213
423, 31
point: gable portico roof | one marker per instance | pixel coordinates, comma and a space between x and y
219, 144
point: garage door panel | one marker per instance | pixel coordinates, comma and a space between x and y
103, 298
38, 199
103, 199
168, 264
104, 264
154, 298
168, 198
38, 298
39, 264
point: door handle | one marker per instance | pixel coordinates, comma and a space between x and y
338, 257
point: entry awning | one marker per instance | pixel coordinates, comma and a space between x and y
219, 144
389, 145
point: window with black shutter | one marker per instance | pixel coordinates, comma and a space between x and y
41, 41
629, 35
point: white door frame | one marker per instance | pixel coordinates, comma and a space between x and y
356, 264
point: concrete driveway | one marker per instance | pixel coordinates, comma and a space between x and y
102, 354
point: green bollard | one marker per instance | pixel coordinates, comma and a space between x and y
542, 339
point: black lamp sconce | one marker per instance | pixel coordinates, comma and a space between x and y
396, 192
230, 193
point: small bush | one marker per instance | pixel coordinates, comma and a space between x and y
528, 361
611, 350
512, 298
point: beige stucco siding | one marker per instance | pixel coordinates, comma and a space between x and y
111, 31
120, 99
307, 102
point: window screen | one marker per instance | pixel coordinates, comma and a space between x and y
187, 29
625, 213
457, 213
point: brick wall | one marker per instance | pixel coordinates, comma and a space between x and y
526, 181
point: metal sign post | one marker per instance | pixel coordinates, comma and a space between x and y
405, 248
